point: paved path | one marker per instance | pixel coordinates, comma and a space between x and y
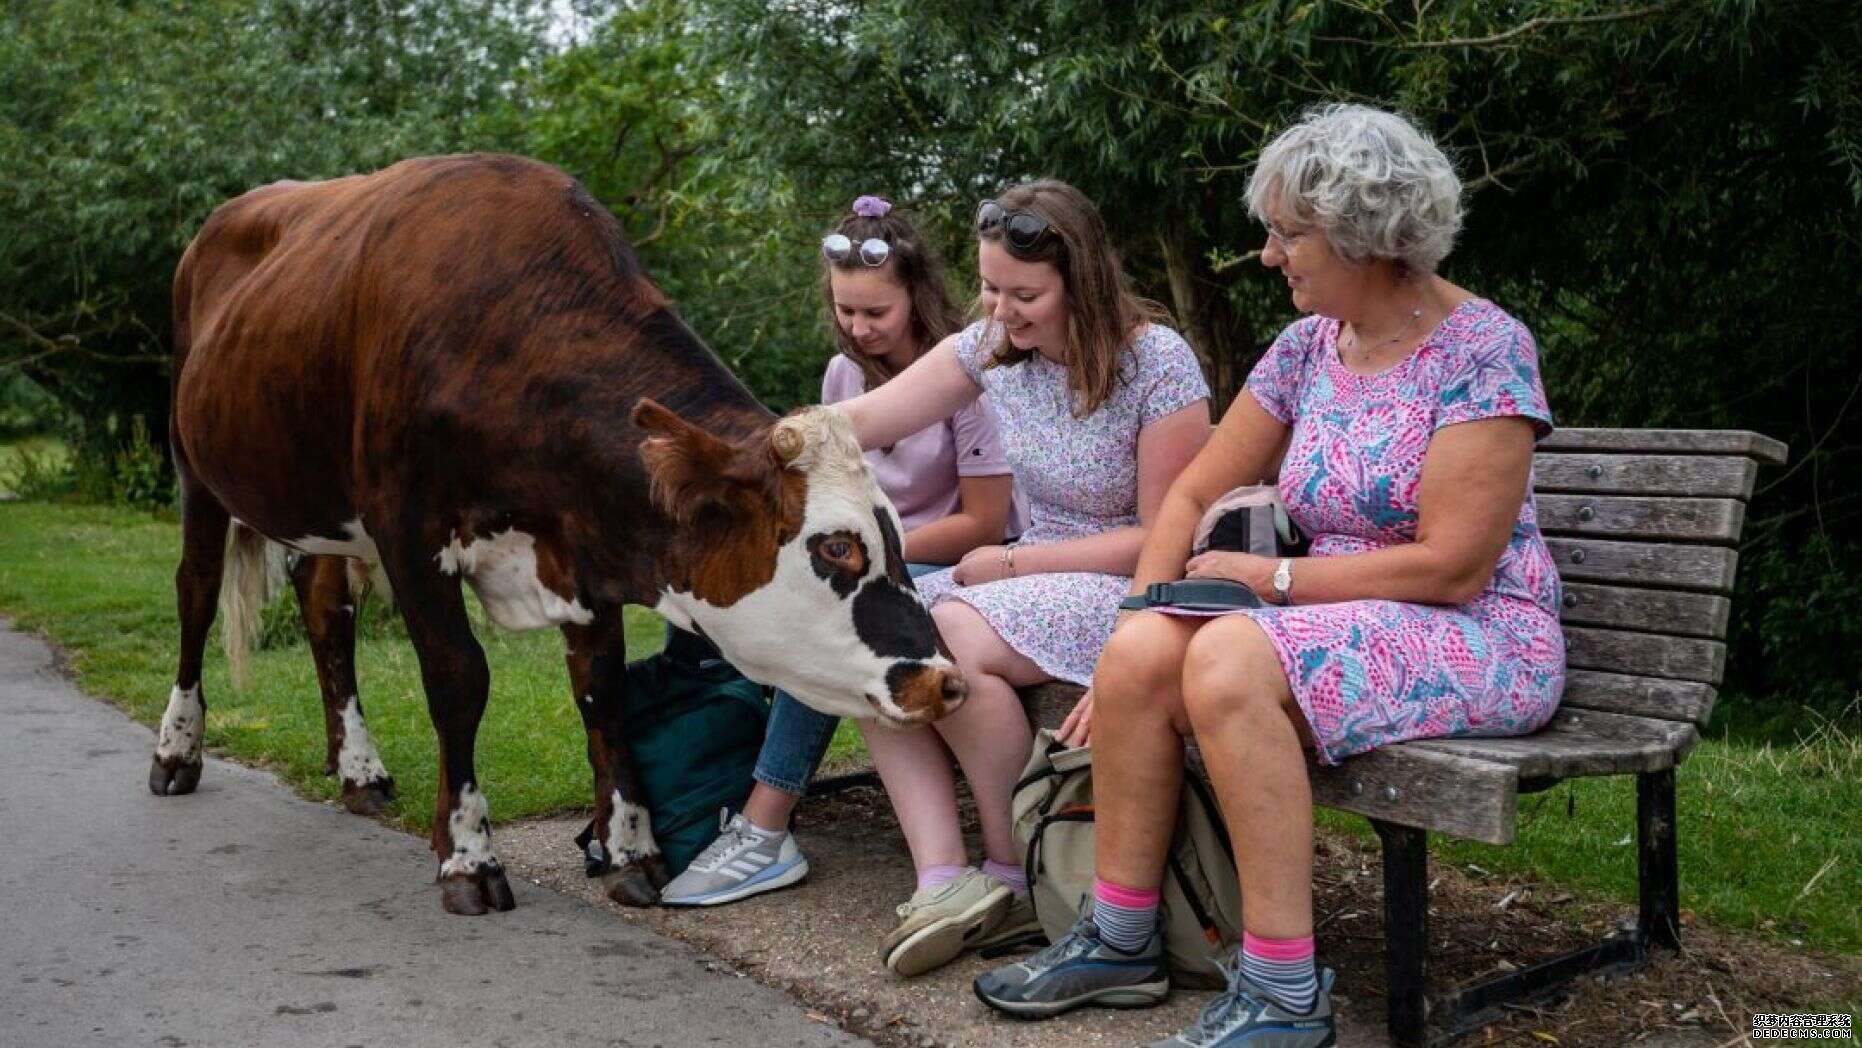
245, 916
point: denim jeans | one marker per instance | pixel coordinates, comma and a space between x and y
798, 736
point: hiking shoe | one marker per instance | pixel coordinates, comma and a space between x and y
1020, 929
742, 861
1244, 1014
1078, 970
939, 923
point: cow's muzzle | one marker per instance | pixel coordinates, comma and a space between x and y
923, 692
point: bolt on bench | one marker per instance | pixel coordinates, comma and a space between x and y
1644, 526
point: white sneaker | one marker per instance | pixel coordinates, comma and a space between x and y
742, 861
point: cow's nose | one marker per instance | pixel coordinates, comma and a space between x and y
954, 689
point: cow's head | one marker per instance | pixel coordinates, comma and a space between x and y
788, 558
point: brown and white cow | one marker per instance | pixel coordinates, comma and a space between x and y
456, 368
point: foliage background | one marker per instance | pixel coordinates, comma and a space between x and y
1668, 193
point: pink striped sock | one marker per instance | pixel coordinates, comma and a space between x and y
1282, 967
938, 876
1125, 917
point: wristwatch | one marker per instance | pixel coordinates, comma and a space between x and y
1283, 581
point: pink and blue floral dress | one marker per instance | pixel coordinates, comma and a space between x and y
1372, 672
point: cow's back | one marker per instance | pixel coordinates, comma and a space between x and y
450, 324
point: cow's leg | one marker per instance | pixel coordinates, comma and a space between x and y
176, 766
453, 672
619, 842
329, 610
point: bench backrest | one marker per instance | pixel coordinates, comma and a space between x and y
1644, 525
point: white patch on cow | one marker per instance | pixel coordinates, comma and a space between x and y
182, 724
630, 833
470, 828
357, 545
503, 570
358, 761
795, 632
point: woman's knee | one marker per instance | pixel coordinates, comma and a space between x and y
1232, 670
1140, 667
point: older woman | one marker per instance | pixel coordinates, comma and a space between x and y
1399, 418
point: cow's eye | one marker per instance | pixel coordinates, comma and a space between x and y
837, 549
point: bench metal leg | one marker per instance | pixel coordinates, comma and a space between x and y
1406, 929
1659, 876
1416, 1019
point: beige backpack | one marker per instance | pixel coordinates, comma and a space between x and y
1201, 909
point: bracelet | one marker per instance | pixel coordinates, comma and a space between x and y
1008, 560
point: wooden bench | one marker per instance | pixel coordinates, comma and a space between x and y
1644, 525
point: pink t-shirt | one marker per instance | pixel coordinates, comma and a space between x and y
919, 473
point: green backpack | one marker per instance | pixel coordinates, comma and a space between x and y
694, 726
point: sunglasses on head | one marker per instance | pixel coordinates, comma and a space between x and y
1023, 230
839, 247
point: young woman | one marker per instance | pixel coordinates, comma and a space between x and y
888, 302
1100, 407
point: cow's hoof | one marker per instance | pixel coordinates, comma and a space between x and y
173, 776
636, 884
471, 894
369, 798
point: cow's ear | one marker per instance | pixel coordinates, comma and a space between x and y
687, 467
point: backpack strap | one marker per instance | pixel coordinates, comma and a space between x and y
1197, 909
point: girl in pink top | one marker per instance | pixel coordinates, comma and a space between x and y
950, 482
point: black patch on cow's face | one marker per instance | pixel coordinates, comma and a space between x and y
895, 550
839, 559
890, 621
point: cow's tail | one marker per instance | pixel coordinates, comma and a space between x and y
254, 571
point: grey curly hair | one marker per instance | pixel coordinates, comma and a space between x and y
1370, 180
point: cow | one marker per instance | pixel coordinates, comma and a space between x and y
456, 369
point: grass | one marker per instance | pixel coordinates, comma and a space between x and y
1769, 837
17, 456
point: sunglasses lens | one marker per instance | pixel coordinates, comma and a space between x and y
836, 247
1024, 230
874, 251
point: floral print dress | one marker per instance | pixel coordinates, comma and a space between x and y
1080, 477
1372, 672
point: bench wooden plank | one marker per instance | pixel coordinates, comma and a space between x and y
1447, 793
1670, 442
1580, 743
1622, 517
1679, 700
1708, 568
1657, 611
1704, 476
1645, 654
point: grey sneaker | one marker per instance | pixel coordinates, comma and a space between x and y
940, 923
1078, 970
1245, 1015
742, 861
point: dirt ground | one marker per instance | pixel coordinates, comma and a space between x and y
819, 941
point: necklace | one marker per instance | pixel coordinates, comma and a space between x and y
1364, 354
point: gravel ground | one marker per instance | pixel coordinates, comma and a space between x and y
819, 939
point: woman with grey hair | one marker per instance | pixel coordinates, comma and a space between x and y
1399, 419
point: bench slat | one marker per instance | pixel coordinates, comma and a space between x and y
1661, 611
1706, 476
1621, 517
1678, 700
1708, 568
1670, 442
1580, 743
1645, 654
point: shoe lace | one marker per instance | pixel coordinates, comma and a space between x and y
1226, 1010
729, 841
1075, 943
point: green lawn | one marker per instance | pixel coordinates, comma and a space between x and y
1769, 833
